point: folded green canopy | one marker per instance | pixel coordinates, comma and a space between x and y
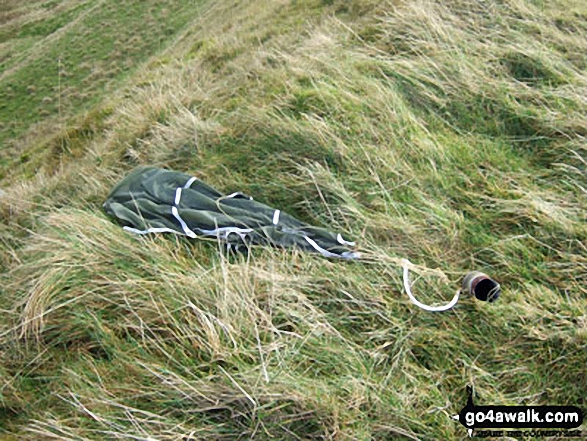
155, 200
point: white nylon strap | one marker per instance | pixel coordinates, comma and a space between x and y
190, 182
326, 253
341, 241
151, 230
237, 193
184, 226
175, 212
223, 232
406, 264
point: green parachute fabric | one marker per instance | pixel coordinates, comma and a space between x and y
155, 200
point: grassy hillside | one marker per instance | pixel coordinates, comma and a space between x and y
452, 133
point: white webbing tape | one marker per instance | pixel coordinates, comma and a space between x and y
341, 241
151, 230
190, 182
406, 264
223, 232
184, 226
326, 253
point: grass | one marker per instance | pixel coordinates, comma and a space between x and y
450, 133
76, 54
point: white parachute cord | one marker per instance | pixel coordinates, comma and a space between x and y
406, 264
